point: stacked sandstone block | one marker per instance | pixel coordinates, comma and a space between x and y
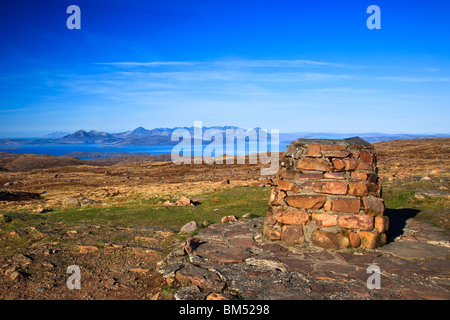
328, 193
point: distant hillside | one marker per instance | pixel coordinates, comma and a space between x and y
162, 136
55, 135
81, 154
138, 137
369, 137
413, 156
28, 162
91, 137
13, 162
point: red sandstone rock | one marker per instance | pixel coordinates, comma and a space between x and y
372, 177
183, 201
220, 296
309, 176
351, 164
288, 174
368, 239
275, 196
359, 175
228, 219
336, 154
287, 163
373, 188
366, 156
242, 242
330, 187
373, 205
346, 205
363, 165
269, 230
292, 235
381, 224
314, 164
358, 188
314, 151
423, 292
270, 220
372, 240
190, 244
334, 175
228, 255
355, 147
341, 180
205, 279
288, 186
292, 217
324, 219
306, 201
352, 221
338, 164
328, 147
327, 206
328, 240
281, 195
88, 249
355, 240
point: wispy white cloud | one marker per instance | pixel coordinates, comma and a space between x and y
295, 63
247, 89
148, 64
345, 90
16, 110
413, 79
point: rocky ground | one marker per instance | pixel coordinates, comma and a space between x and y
116, 263
233, 261
224, 260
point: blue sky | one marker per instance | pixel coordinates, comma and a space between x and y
288, 65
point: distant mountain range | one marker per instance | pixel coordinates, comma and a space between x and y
55, 135
369, 137
162, 136
138, 137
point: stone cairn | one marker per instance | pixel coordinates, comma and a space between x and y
327, 194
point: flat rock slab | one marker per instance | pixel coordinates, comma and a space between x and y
227, 255
233, 259
416, 250
419, 292
344, 142
204, 279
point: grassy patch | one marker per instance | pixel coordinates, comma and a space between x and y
398, 198
234, 201
214, 205
401, 194
168, 292
14, 244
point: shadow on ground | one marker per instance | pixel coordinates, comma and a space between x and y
397, 221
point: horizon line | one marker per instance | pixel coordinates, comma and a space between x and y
18, 135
